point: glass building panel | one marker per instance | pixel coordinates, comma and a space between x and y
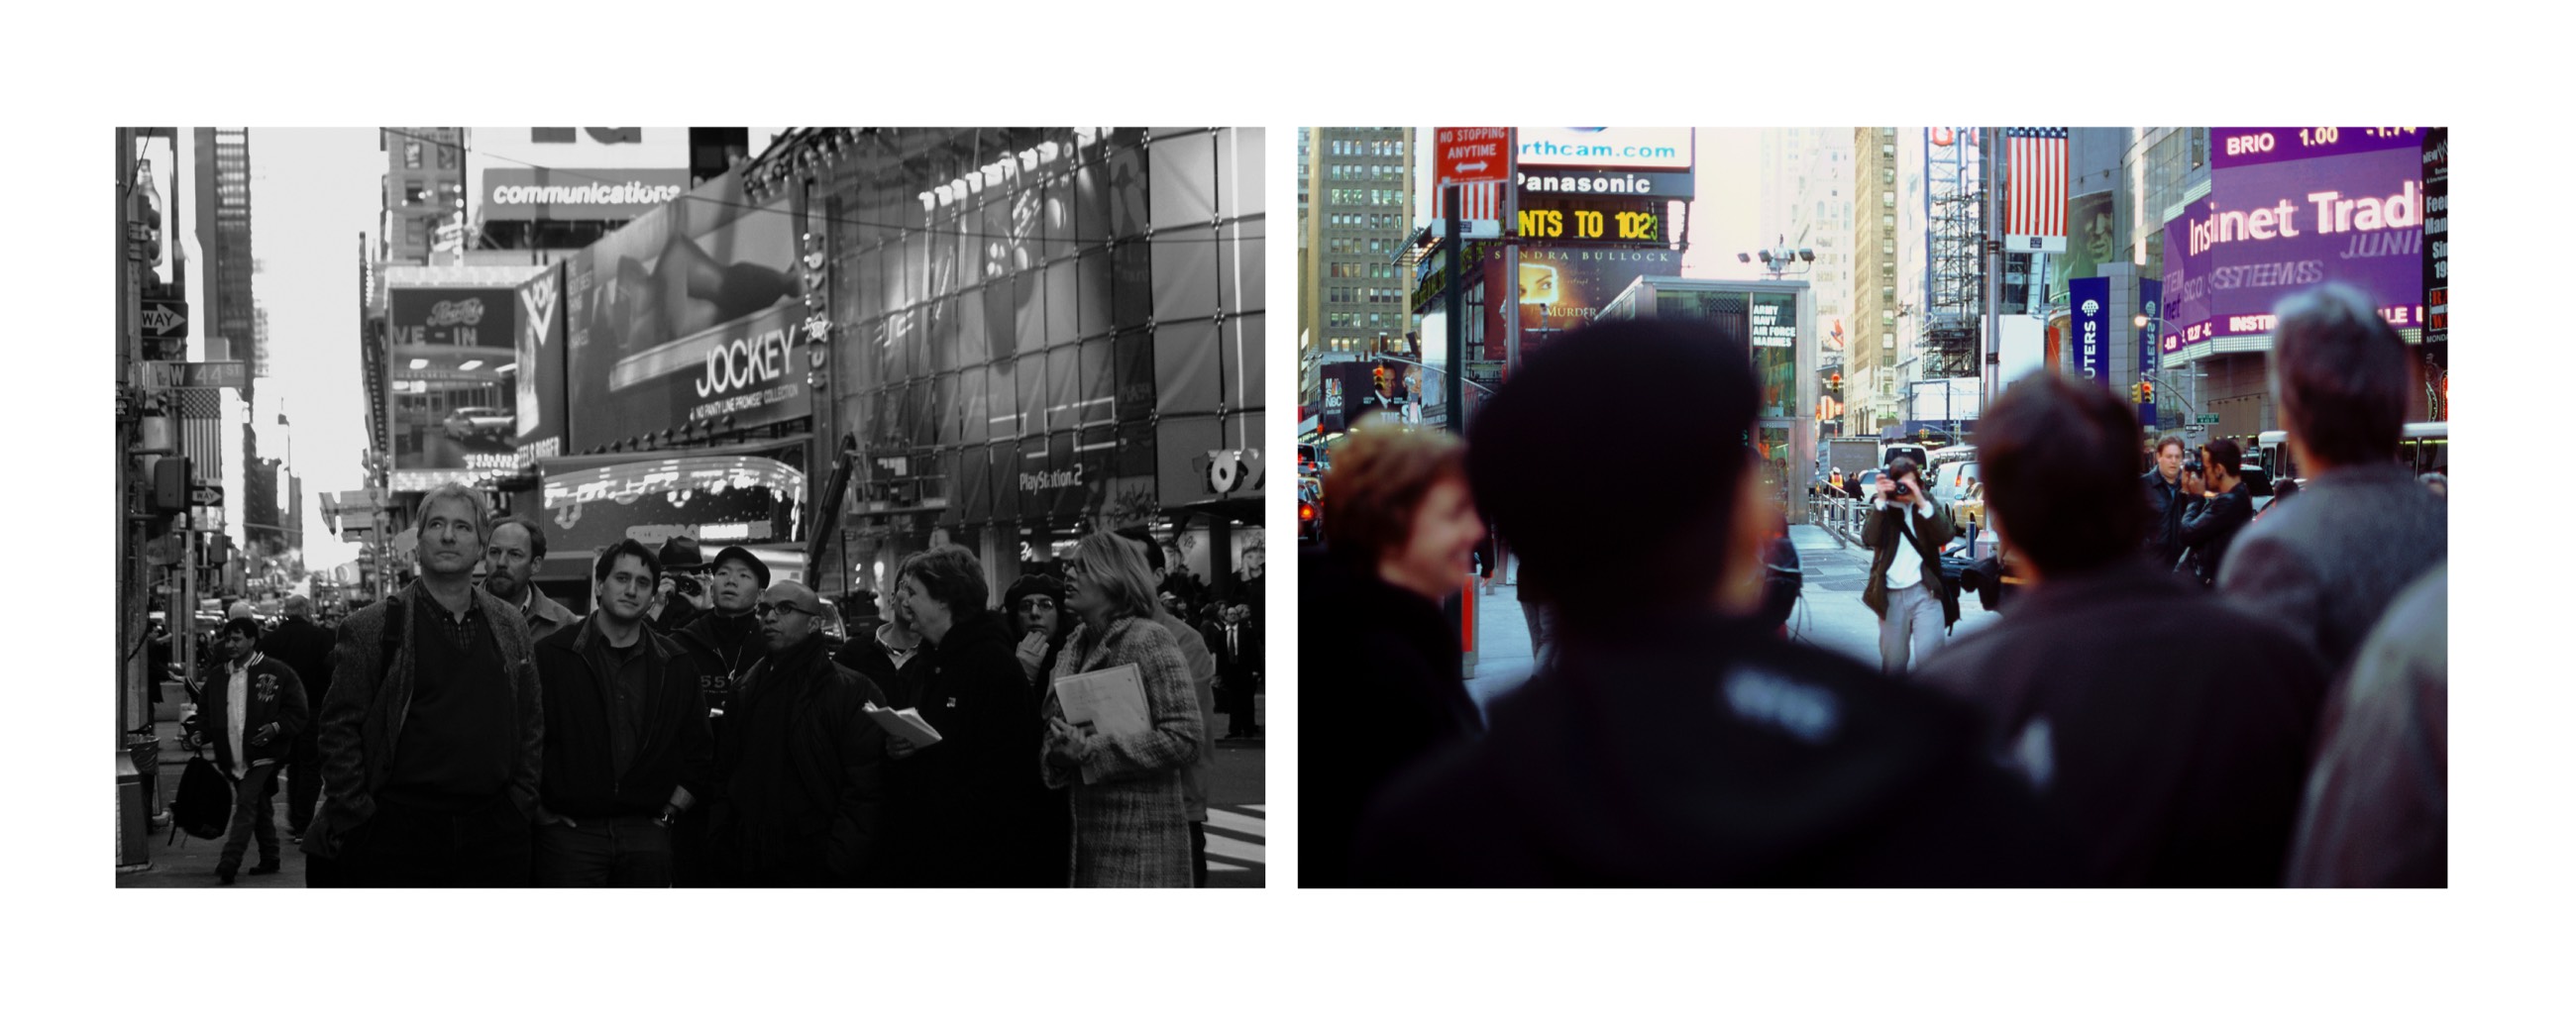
1127, 212
1033, 405
1061, 326
944, 413
1028, 315
1242, 262
1131, 284
1091, 294
1055, 215
1244, 368
1184, 274
1090, 200
1099, 392
1064, 389
941, 314
1001, 392
1185, 367
974, 405
999, 342
1132, 359
1183, 170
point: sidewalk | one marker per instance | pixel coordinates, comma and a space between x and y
182, 861
1503, 657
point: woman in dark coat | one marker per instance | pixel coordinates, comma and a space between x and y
1035, 604
963, 807
1372, 640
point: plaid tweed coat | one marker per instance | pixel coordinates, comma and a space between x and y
1130, 818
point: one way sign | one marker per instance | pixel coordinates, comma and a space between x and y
165, 320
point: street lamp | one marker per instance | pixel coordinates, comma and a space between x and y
1779, 261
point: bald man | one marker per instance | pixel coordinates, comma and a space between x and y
797, 746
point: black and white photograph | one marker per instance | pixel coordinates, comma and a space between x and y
690, 507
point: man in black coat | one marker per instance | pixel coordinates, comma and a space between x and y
305, 646
255, 708
1673, 741
963, 811
627, 748
2165, 502
2210, 524
722, 642
1236, 642
2179, 769
804, 801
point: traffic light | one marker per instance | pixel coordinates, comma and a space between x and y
2146, 391
1836, 382
170, 485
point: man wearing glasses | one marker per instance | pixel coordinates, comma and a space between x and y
803, 798
627, 745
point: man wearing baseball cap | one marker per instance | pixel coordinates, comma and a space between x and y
724, 643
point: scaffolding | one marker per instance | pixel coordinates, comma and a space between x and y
1954, 269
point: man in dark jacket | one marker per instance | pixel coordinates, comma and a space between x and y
1674, 742
2165, 502
627, 744
722, 643
804, 800
305, 647
2178, 770
683, 593
1236, 642
963, 811
1914, 605
254, 711
511, 557
434, 728
2327, 566
2211, 522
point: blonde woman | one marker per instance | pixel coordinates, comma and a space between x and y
1130, 820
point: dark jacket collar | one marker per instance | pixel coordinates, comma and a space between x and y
2127, 578
982, 626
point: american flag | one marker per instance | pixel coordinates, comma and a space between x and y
1476, 202
2035, 210
201, 436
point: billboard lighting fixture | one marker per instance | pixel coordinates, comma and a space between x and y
506, 367
419, 364
471, 364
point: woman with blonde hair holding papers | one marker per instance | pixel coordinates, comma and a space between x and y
1122, 722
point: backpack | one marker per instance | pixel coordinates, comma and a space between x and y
204, 805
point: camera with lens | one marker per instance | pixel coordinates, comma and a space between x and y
1904, 490
688, 585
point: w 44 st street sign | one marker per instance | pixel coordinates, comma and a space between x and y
174, 374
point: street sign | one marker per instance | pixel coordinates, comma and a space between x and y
1469, 156
173, 374
1470, 228
2210, 419
165, 319
206, 494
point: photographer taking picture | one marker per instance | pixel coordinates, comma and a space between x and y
1914, 608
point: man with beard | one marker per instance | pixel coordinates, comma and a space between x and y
800, 760
626, 737
510, 560
434, 728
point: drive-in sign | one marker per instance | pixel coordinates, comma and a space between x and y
1473, 155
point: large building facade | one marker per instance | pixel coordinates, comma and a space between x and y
1872, 388
1355, 218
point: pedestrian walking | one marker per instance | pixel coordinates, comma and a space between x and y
627, 746
511, 558
962, 812
2363, 528
433, 730
2220, 511
2177, 768
1673, 741
801, 762
1130, 818
305, 646
1371, 638
1906, 527
2377, 809
1237, 640
2166, 499
253, 714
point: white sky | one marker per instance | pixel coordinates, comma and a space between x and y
312, 191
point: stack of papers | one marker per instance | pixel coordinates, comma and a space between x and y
904, 722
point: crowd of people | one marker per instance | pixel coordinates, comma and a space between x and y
698, 727
2181, 693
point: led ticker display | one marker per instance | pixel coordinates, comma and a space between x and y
1640, 223
2342, 205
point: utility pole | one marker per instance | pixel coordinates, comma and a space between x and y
1989, 339
1511, 301
1457, 332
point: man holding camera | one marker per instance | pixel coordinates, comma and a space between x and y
1907, 528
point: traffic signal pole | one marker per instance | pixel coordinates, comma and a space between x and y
1456, 340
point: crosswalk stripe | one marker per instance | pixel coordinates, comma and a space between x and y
1219, 818
1221, 845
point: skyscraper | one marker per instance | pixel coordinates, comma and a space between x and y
1355, 188
1870, 385
223, 239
